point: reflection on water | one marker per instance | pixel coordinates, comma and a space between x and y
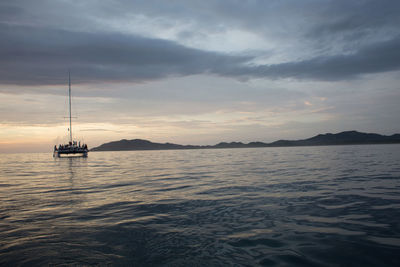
266, 206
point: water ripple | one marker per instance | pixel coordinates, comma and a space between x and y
308, 206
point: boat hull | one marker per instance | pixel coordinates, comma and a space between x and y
71, 153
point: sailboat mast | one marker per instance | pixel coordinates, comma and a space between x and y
69, 97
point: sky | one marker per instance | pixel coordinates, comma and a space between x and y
196, 72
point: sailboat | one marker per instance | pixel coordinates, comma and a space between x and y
73, 148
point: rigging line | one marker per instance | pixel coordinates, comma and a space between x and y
70, 117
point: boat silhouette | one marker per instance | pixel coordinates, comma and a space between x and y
72, 148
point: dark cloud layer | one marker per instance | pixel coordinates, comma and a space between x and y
375, 58
31, 55
40, 40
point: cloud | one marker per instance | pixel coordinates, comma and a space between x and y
39, 56
35, 55
375, 58
341, 17
136, 41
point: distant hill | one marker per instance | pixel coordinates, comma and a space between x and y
343, 138
138, 144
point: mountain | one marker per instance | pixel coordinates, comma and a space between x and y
343, 138
136, 144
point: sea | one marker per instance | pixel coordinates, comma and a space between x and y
284, 206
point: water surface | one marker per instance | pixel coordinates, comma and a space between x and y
303, 206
